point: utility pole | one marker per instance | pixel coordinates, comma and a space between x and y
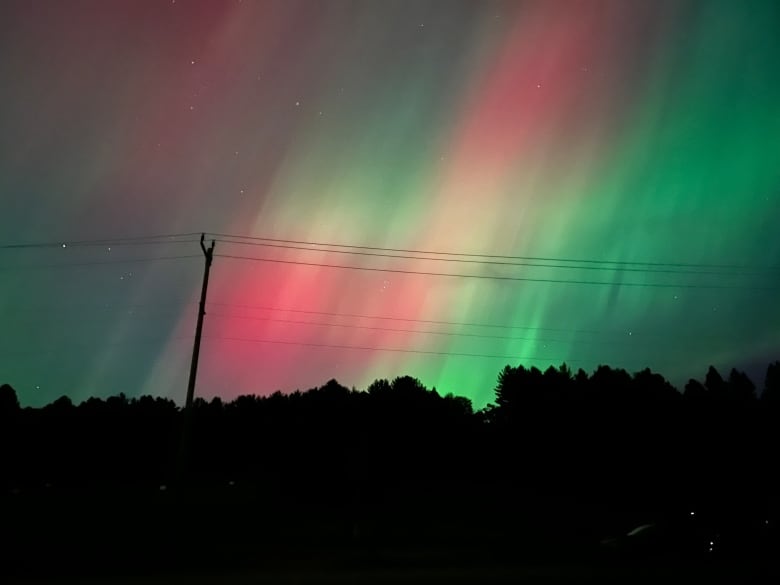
209, 254
182, 463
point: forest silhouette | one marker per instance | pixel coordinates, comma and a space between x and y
561, 464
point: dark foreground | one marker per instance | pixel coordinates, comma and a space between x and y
312, 574
245, 533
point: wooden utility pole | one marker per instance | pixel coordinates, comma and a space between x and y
209, 254
183, 461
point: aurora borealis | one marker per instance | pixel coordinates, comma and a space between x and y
644, 135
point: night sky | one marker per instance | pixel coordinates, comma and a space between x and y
622, 158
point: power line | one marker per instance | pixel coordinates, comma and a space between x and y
176, 238
66, 347
389, 349
499, 256
496, 277
96, 306
95, 263
492, 262
134, 240
390, 329
92, 318
408, 320
119, 243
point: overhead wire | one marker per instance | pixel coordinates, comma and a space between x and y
396, 253
495, 277
481, 255
150, 240
531, 264
393, 330
132, 240
96, 262
388, 349
65, 348
100, 306
401, 319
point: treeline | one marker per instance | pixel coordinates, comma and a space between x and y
557, 450
553, 427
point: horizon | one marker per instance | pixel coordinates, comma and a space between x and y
759, 387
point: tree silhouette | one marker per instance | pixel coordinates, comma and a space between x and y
62, 405
715, 384
740, 387
9, 402
695, 391
771, 392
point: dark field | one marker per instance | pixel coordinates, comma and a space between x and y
610, 478
246, 533
310, 573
